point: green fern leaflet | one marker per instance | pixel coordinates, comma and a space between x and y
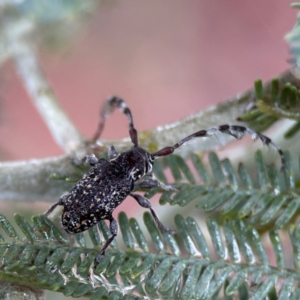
237, 253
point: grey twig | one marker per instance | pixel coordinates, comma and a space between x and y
30, 179
24, 55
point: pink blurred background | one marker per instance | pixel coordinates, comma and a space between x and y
166, 59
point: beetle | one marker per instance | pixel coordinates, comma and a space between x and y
107, 184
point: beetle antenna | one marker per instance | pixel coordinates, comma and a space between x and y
234, 130
110, 105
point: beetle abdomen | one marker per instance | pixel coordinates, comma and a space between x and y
94, 198
74, 222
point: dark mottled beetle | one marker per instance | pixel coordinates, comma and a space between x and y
108, 183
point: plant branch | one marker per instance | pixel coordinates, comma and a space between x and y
29, 180
24, 56
225, 112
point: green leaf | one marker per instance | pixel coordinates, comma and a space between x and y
49, 263
228, 254
272, 104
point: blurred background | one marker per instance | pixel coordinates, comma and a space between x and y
167, 60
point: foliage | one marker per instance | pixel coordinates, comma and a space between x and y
231, 260
282, 102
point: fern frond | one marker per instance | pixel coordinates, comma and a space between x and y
231, 258
267, 201
270, 106
187, 266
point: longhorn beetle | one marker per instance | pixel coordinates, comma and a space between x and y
106, 185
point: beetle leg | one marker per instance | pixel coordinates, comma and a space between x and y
144, 202
91, 159
152, 183
114, 231
61, 201
112, 152
109, 106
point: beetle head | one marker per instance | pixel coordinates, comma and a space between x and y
139, 163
